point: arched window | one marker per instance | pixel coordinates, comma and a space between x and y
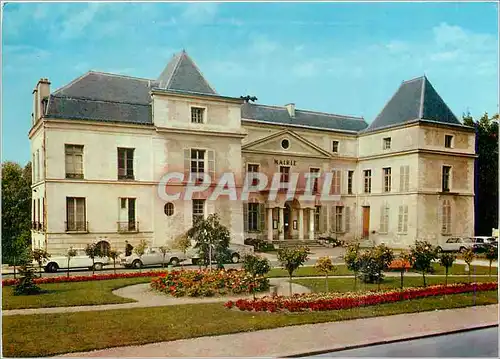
169, 209
446, 217
105, 247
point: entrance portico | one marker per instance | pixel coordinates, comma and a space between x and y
290, 220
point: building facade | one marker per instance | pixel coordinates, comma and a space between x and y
102, 144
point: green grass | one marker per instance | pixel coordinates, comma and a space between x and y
460, 269
347, 284
52, 334
70, 294
340, 269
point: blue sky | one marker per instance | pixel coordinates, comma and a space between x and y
346, 58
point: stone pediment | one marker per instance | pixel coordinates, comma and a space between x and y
297, 145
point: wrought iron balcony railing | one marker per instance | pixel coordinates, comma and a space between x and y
127, 226
76, 226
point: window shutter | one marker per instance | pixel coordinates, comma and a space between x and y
400, 219
245, 217
187, 163
262, 217
324, 219
382, 227
332, 217
405, 219
347, 224
402, 178
211, 164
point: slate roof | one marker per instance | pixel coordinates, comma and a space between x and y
280, 116
415, 99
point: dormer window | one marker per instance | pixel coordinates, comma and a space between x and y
197, 114
387, 143
448, 141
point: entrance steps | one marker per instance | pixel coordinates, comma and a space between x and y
287, 243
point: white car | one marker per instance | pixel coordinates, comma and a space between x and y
456, 244
153, 257
236, 253
81, 260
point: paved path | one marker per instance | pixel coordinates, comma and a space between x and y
295, 340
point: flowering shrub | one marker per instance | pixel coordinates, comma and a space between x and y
205, 283
83, 278
333, 301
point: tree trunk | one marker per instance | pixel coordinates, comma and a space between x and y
93, 266
290, 284
469, 272
489, 270
423, 275
446, 276
378, 280
163, 262
114, 265
15, 267
402, 274
40, 268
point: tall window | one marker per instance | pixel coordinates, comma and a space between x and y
336, 181
368, 180
127, 215
339, 212
404, 178
253, 216
198, 163
386, 143
197, 114
125, 163
75, 214
350, 177
74, 161
198, 210
387, 179
347, 226
448, 141
446, 178
253, 168
317, 216
403, 219
315, 180
335, 146
284, 174
446, 217
384, 218
37, 165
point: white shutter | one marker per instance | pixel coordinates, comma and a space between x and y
332, 217
382, 227
262, 217
211, 164
324, 219
402, 178
405, 219
187, 163
347, 224
400, 219
245, 217
407, 178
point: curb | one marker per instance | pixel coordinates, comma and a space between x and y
388, 341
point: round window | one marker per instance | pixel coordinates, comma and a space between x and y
285, 144
169, 209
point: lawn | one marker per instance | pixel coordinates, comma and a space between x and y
52, 334
71, 294
347, 284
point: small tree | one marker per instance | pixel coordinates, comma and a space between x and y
114, 255
182, 243
374, 262
93, 250
468, 258
446, 260
19, 254
39, 255
26, 285
324, 265
70, 254
403, 264
491, 255
291, 259
164, 250
140, 249
422, 255
256, 266
352, 260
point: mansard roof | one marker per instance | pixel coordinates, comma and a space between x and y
415, 99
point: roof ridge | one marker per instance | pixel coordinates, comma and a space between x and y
72, 82
179, 56
309, 111
414, 79
119, 75
422, 95
184, 53
96, 100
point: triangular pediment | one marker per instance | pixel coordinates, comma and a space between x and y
297, 145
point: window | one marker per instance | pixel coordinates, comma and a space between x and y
404, 178
448, 141
314, 178
384, 218
335, 146
387, 143
336, 180
198, 162
75, 214
253, 217
347, 219
197, 114
387, 179
446, 217
338, 218
198, 210
285, 144
74, 161
285, 174
350, 176
39, 213
169, 209
123, 203
446, 178
403, 219
253, 168
368, 180
125, 163
127, 218
317, 216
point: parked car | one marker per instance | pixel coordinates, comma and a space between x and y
456, 244
235, 253
81, 260
152, 257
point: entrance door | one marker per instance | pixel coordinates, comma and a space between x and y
366, 222
286, 215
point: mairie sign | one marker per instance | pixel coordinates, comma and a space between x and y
285, 162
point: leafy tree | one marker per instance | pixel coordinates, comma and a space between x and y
26, 285
19, 254
114, 255
164, 250
140, 249
39, 255
374, 262
256, 266
93, 250
291, 259
324, 265
210, 235
421, 256
182, 243
446, 260
70, 254
468, 258
491, 255
403, 264
486, 169
16, 210
352, 258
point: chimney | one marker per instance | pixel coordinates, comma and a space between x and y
40, 93
291, 109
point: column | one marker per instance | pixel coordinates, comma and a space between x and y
270, 224
282, 224
311, 224
301, 224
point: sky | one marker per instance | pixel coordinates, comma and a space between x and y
344, 58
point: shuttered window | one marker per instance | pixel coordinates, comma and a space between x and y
339, 213
262, 215
75, 214
125, 163
403, 219
198, 162
336, 181
384, 218
347, 227
74, 161
404, 178
446, 217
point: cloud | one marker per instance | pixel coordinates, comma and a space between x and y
199, 13
262, 45
445, 34
77, 21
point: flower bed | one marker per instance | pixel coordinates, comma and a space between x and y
84, 278
333, 301
205, 283
399, 264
